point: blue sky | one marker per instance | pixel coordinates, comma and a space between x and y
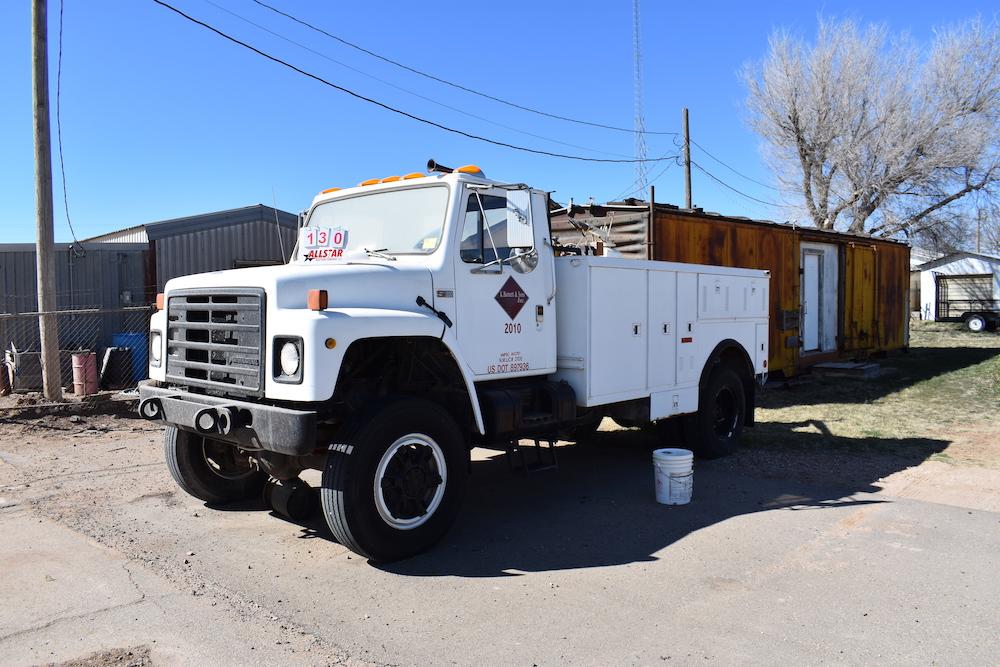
163, 119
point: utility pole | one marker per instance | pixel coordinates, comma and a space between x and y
687, 162
48, 325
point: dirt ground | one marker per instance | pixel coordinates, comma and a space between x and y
106, 562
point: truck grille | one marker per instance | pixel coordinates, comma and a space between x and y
215, 339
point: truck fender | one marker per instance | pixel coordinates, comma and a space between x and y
384, 323
451, 343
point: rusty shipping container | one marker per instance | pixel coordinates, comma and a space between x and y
833, 296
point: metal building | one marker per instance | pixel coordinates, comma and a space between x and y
833, 295
248, 236
959, 283
105, 284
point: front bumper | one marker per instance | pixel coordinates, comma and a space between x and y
254, 426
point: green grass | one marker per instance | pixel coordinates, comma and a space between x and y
946, 389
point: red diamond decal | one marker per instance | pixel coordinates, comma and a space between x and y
511, 298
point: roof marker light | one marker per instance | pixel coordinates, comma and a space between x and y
370, 181
469, 169
329, 190
415, 174
390, 179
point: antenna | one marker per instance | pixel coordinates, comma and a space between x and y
640, 122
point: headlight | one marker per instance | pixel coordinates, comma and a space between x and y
155, 347
289, 359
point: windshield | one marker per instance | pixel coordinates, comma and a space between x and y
390, 222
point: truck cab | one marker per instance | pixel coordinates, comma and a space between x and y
420, 316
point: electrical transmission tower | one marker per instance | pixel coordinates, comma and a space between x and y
640, 124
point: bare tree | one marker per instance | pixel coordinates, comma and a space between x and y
872, 135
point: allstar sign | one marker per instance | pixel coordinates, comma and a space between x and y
511, 298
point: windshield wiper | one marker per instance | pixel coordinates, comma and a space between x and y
380, 252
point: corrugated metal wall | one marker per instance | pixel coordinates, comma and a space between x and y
131, 235
101, 276
219, 248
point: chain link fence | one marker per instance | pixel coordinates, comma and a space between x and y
117, 336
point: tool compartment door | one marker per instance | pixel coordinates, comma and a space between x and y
618, 339
662, 329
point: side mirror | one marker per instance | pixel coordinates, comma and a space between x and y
523, 261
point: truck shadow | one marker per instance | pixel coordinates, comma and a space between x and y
598, 508
899, 371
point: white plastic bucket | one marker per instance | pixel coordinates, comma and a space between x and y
673, 476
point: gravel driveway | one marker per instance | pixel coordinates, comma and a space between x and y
782, 557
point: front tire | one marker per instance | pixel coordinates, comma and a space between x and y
393, 484
210, 470
714, 431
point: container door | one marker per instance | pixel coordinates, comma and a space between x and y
811, 306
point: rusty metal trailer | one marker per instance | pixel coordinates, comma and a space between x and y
833, 295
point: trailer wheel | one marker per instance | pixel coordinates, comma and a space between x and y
210, 470
976, 323
393, 484
715, 429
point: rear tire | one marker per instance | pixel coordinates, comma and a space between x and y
210, 470
393, 483
976, 323
714, 431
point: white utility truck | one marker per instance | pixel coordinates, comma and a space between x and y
422, 316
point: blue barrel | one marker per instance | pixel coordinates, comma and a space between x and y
137, 342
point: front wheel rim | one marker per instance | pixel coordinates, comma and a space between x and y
410, 481
976, 324
225, 461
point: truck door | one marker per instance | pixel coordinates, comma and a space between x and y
504, 284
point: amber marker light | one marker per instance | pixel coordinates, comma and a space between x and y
329, 190
469, 169
159, 301
390, 179
331, 343
415, 174
318, 299
370, 181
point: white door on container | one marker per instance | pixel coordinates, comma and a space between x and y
811, 304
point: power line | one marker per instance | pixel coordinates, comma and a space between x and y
62, 162
446, 82
733, 169
387, 107
654, 179
739, 192
400, 88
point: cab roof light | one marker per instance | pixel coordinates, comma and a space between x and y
469, 169
318, 299
390, 179
415, 174
329, 190
370, 181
